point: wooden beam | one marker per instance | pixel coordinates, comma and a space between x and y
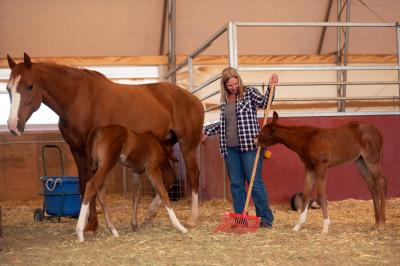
98, 61
157, 60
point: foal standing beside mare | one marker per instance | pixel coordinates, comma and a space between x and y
85, 99
322, 148
143, 153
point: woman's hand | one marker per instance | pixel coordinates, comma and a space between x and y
203, 138
273, 80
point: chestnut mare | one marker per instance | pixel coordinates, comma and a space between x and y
143, 153
322, 148
85, 99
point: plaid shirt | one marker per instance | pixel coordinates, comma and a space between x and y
247, 123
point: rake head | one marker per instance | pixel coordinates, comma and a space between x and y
238, 223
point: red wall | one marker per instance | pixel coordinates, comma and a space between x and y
283, 173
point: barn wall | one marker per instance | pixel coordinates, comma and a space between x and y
283, 174
21, 164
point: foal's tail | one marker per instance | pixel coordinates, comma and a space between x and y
91, 155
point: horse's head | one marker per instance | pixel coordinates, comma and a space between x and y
25, 94
267, 137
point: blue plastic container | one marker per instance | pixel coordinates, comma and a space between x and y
61, 195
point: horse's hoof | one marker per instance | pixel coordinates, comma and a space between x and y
296, 228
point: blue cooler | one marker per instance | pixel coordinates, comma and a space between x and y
61, 195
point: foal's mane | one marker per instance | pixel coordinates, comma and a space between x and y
296, 127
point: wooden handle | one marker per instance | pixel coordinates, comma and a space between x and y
253, 174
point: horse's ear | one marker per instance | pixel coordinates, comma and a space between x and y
27, 60
275, 117
11, 62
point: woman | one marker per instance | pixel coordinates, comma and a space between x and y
238, 127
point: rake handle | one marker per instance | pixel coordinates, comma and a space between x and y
253, 173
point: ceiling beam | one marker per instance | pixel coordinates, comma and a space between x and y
163, 23
321, 40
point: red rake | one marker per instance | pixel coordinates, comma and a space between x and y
243, 223
238, 223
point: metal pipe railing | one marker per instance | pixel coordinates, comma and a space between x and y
315, 24
325, 83
321, 99
231, 28
322, 68
206, 83
199, 50
398, 50
313, 99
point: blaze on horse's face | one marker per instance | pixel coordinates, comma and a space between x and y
25, 95
266, 136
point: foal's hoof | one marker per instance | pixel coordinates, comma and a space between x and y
380, 227
324, 231
114, 232
191, 223
81, 238
91, 229
135, 227
90, 232
148, 221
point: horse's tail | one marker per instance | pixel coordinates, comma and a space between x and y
168, 144
168, 150
171, 139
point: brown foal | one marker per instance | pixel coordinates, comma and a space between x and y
143, 153
322, 148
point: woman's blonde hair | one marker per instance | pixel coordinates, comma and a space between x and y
226, 75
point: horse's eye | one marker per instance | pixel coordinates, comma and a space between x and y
30, 87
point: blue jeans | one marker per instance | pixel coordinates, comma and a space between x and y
240, 166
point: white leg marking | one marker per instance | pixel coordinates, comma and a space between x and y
195, 207
175, 221
15, 103
110, 224
152, 210
155, 204
325, 228
82, 220
114, 232
301, 221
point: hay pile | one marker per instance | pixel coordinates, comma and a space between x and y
1, 231
351, 239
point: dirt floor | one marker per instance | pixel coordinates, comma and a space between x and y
351, 239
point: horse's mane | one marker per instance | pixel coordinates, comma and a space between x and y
72, 70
